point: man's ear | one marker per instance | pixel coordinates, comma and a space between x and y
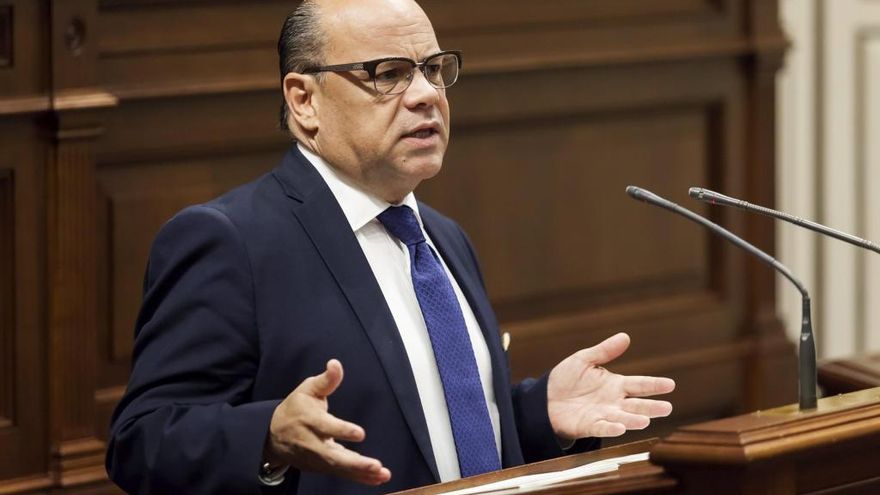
298, 94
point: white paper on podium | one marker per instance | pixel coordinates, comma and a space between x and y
531, 481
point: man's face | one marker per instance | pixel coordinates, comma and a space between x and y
387, 144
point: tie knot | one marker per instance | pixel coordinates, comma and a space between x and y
402, 223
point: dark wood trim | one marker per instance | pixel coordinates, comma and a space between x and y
29, 484
82, 99
7, 300
24, 105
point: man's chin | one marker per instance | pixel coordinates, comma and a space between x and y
423, 168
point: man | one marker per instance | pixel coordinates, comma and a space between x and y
257, 301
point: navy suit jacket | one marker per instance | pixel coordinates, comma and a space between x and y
248, 295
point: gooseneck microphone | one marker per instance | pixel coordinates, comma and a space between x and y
807, 348
719, 199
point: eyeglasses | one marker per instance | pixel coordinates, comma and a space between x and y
393, 75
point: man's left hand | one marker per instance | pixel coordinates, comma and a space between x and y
586, 400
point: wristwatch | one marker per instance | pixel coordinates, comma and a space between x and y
272, 475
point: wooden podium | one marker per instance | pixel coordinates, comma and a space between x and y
834, 449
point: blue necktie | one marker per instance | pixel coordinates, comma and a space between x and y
468, 413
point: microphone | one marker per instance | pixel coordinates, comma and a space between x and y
807, 348
715, 198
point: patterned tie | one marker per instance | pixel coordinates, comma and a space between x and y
468, 413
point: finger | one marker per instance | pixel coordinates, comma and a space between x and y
349, 464
327, 382
328, 425
382, 476
604, 428
628, 420
643, 386
648, 407
607, 350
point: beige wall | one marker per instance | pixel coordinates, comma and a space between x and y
829, 167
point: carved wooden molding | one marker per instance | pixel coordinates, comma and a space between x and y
82, 100
5, 36
78, 113
27, 104
29, 484
79, 462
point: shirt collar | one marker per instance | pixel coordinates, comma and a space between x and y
358, 206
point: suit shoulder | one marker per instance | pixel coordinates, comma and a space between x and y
248, 199
436, 219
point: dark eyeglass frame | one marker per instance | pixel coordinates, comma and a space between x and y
371, 65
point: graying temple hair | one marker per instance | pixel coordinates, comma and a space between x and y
300, 45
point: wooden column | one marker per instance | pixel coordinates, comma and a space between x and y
77, 456
772, 354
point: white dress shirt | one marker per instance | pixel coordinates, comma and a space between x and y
389, 259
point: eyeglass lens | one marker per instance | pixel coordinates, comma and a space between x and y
394, 76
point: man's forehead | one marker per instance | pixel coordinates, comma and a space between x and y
377, 28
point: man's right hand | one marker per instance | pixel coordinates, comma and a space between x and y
303, 434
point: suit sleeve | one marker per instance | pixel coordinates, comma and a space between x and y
536, 436
186, 423
537, 439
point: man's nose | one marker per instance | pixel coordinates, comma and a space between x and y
420, 92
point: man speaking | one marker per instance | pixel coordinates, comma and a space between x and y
319, 330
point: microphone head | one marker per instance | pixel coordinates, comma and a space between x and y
644, 195
636, 192
696, 192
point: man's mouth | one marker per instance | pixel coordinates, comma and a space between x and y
422, 133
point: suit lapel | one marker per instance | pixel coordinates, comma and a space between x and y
321, 217
475, 295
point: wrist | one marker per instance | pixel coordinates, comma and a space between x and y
273, 467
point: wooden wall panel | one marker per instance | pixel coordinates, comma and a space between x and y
23, 370
145, 130
545, 242
166, 103
151, 50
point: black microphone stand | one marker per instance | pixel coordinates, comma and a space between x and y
807, 346
716, 198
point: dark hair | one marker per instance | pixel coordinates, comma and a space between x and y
300, 45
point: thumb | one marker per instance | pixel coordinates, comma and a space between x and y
327, 382
607, 350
